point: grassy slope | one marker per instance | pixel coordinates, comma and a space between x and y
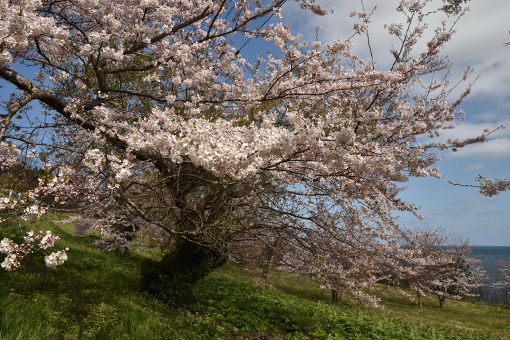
95, 296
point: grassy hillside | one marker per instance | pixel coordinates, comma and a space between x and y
95, 295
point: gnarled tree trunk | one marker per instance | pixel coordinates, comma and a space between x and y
172, 279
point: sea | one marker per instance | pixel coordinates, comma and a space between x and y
489, 256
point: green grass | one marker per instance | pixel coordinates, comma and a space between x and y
464, 315
95, 295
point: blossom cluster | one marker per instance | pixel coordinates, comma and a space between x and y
32, 241
9, 155
489, 187
55, 259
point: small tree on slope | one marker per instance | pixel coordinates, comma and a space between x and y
435, 263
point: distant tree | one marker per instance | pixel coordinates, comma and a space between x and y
503, 283
346, 257
424, 257
20, 177
462, 276
437, 264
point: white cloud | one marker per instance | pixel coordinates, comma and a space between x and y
474, 200
477, 167
340, 26
493, 149
479, 42
497, 146
469, 130
450, 212
491, 213
493, 110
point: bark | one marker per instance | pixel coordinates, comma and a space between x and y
172, 279
334, 294
442, 299
420, 302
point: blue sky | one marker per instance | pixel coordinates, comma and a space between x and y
479, 41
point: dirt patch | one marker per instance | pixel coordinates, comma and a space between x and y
70, 219
83, 225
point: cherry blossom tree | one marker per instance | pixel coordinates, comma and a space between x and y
462, 277
438, 264
152, 120
503, 283
423, 260
345, 256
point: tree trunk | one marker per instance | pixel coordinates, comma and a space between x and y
441, 301
172, 279
420, 302
334, 295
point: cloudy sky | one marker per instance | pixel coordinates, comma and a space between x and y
479, 41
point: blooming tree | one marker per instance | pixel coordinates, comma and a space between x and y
153, 121
462, 276
345, 256
433, 262
503, 283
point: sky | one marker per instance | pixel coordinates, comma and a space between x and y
479, 42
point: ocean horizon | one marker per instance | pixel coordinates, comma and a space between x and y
489, 256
